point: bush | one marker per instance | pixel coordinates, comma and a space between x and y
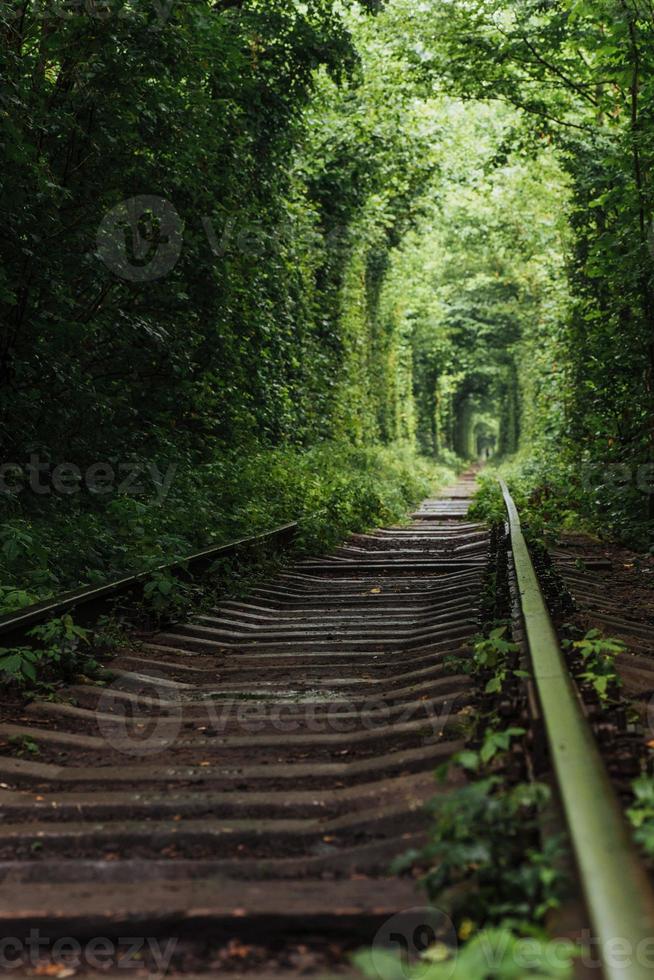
332, 489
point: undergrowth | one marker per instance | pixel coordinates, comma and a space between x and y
486, 865
60, 649
554, 497
49, 544
331, 491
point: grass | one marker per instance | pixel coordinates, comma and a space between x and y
49, 544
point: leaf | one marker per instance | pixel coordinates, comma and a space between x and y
468, 760
495, 684
379, 964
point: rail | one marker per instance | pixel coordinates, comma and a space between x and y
90, 602
618, 894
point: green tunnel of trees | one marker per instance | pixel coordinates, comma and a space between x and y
283, 248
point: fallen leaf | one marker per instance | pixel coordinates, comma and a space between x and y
239, 950
52, 970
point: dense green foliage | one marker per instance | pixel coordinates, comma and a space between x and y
581, 76
331, 490
243, 237
193, 247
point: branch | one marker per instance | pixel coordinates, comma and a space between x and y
220, 6
579, 89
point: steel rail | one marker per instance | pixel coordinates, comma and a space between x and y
617, 891
90, 602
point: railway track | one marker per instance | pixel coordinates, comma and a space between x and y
252, 773
288, 743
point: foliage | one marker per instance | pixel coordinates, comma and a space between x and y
332, 489
598, 654
59, 651
110, 633
482, 269
495, 662
494, 745
581, 76
164, 594
480, 838
253, 382
485, 866
488, 503
19, 664
200, 108
423, 229
494, 654
23, 745
12, 599
641, 813
493, 954
550, 500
